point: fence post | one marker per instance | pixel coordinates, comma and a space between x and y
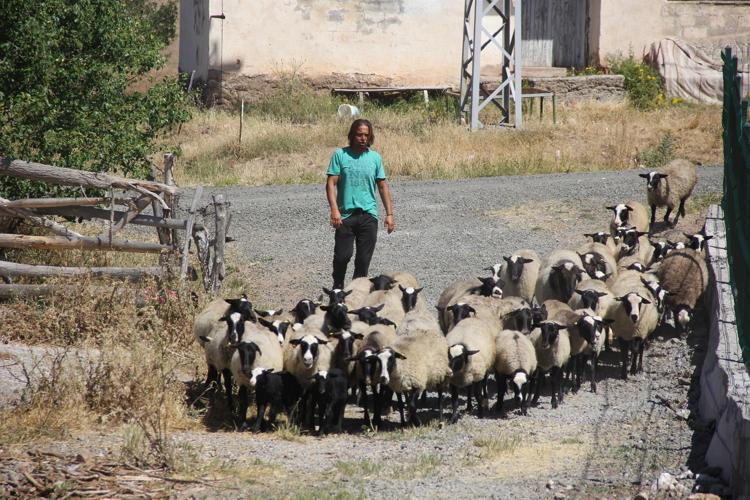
217, 275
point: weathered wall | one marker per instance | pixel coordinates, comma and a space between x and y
193, 34
636, 24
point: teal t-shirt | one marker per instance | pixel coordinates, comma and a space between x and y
357, 175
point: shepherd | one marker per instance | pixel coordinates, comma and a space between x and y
353, 174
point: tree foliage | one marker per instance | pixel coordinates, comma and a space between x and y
66, 67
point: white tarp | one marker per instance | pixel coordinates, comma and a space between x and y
688, 72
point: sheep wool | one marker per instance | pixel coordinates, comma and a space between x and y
673, 190
472, 334
426, 363
270, 353
360, 289
570, 262
685, 274
525, 285
514, 351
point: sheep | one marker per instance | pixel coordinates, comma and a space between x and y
332, 318
496, 269
218, 328
471, 355
697, 241
635, 317
658, 292
412, 364
669, 185
336, 295
552, 345
328, 393
396, 303
279, 390
303, 310
357, 290
515, 361
592, 294
520, 274
305, 354
562, 271
634, 242
404, 279
257, 349
486, 308
369, 315
685, 275
343, 349
597, 259
630, 214
604, 238
376, 338
277, 327
591, 329
382, 282
449, 296
661, 249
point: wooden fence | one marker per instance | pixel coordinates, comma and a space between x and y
121, 205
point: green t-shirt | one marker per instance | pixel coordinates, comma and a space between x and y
357, 175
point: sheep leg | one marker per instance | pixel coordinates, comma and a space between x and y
258, 424
272, 415
454, 404
556, 376
340, 409
642, 348
525, 398
484, 385
242, 410
228, 386
502, 384
635, 346
624, 348
211, 376
413, 403
440, 404
666, 215
400, 399
538, 387
468, 400
364, 403
580, 366
653, 214
594, 362
481, 400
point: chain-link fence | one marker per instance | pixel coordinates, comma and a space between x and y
736, 202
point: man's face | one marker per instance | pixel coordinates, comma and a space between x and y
362, 137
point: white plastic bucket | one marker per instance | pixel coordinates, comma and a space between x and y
348, 111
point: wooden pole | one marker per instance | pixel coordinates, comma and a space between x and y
20, 291
189, 232
169, 169
130, 273
217, 275
72, 177
61, 202
83, 243
203, 249
53, 226
98, 213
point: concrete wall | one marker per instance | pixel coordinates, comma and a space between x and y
193, 34
637, 23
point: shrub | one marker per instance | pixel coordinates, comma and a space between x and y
657, 155
642, 82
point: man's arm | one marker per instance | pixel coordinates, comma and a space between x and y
385, 195
331, 187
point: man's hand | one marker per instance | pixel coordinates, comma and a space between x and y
335, 219
390, 226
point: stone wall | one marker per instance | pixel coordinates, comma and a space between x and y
578, 88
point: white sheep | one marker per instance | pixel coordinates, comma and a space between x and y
515, 361
630, 214
561, 273
449, 296
404, 279
604, 238
489, 309
471, 356
670, 185
598, 259
396, 302
635, 317
413, 364
359, 289
552, 345
520, 273
684, 274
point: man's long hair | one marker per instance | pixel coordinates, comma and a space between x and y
353, 131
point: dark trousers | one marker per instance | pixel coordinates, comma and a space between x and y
362, 228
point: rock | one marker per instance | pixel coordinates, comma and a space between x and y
688, 474
642, 495
703, 496
666, 482
550, 484
683, 414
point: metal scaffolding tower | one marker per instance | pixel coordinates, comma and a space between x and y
476, 39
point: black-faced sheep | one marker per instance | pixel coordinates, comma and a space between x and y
562, 272
279, 390
597, 259
670, 185
685, 275
630, 214
328, 391
552, 345
515, 361
520, 274
604, 238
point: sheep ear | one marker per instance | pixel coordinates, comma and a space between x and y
321, 341
645, 176
358, 336
611, 207
295, 341
557, 267
601, 294
355, 311
441, 309
471, 309
417, 290
629, 208
335, 335
324, 308
256, 348
579, 292
326, 291
401, 288
268, 370
506, 259
387, 322
645, 301
206, 338
706, 238
662, 176
526, 261
641, 233
346, 294
398, 355
378, 308
265, 323
262, 314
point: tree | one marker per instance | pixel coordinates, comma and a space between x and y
65, 70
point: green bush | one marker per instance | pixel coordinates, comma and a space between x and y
642, 82
297, 102
66, 71
658, 155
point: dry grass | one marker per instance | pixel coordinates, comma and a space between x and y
416, 144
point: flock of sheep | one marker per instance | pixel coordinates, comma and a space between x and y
530, 319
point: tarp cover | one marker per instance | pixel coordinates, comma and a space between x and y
688, 72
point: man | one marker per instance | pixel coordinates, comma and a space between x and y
353, 174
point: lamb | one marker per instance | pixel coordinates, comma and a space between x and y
471, 355
593, 330
552, 345
669, 185
333, 318
343, 349
515, 361
631, 263
382, 282
329, 392
305, 354
520, 274
336, 295
279, 390
593, 294
630, 214
413, 364
218, 328
635, 317
604, 238
598, 260
685, 275
258, 349
369, 315
487, 308
562, 271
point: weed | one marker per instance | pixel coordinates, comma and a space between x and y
643, 83
700, 203
571, 440
361, 469
659, 154
289, 431
491, 447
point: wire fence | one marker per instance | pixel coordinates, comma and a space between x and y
736, 202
